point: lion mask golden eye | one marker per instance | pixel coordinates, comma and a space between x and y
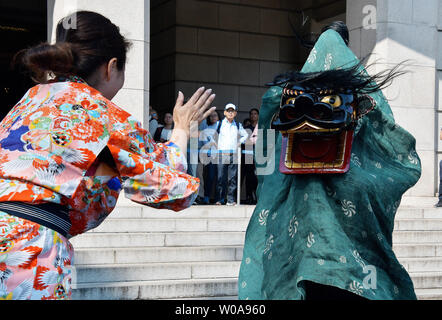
334, 100
290, 100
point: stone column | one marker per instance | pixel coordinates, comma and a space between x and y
438, 86
394, 31
133, 18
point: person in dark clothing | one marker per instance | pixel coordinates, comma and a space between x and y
247, 160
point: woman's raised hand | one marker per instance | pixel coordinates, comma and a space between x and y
190, 114
195, 110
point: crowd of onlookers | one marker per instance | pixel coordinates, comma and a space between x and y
218, 141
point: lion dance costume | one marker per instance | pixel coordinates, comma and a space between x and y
325, 216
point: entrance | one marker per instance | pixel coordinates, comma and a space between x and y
22, 24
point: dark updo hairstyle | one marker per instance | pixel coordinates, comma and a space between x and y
78, 51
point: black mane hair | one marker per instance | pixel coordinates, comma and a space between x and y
342, 80
309, 41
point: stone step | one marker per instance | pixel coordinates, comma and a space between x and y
418, 224
156, 271
422, 257
227, 224
416, 237
418, 250
210, 211
85, 256
416, 212
426, 280
224, 224
163, 289
158, 239
198, 269
172, 225
195, 289
245, 211
429, 294
432, 264
410, 201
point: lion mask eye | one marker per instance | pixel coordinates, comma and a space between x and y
290, 100
333, 100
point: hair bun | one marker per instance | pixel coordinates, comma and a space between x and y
80, 51
45, 60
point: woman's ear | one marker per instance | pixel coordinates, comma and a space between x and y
111, 68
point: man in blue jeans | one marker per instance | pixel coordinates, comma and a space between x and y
231, 134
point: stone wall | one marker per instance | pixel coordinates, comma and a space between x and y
406, 31
233, 47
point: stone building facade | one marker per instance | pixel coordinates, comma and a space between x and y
411, 31
236, 46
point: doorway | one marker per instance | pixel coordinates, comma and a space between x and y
22, 24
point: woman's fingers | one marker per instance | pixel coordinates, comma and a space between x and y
195, 97
202, 100
206, 105
206, 114
180, 99
201, 109
197, 105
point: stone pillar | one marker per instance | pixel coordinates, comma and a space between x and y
134, 21
394, 31
438, 85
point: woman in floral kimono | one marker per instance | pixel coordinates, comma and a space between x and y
66, 152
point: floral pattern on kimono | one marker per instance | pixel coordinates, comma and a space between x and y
48, 142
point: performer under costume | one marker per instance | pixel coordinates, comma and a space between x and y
326, 224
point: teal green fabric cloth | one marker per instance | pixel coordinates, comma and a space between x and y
332, 229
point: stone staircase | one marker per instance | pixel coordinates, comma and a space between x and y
417, 242
142, 253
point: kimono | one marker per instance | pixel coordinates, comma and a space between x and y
331, 229
50, 144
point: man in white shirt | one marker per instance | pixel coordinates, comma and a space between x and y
231, 134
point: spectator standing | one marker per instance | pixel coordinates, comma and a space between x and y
248, 170
164, 133
229, 131
208, 139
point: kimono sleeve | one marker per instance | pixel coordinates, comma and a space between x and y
152, 174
